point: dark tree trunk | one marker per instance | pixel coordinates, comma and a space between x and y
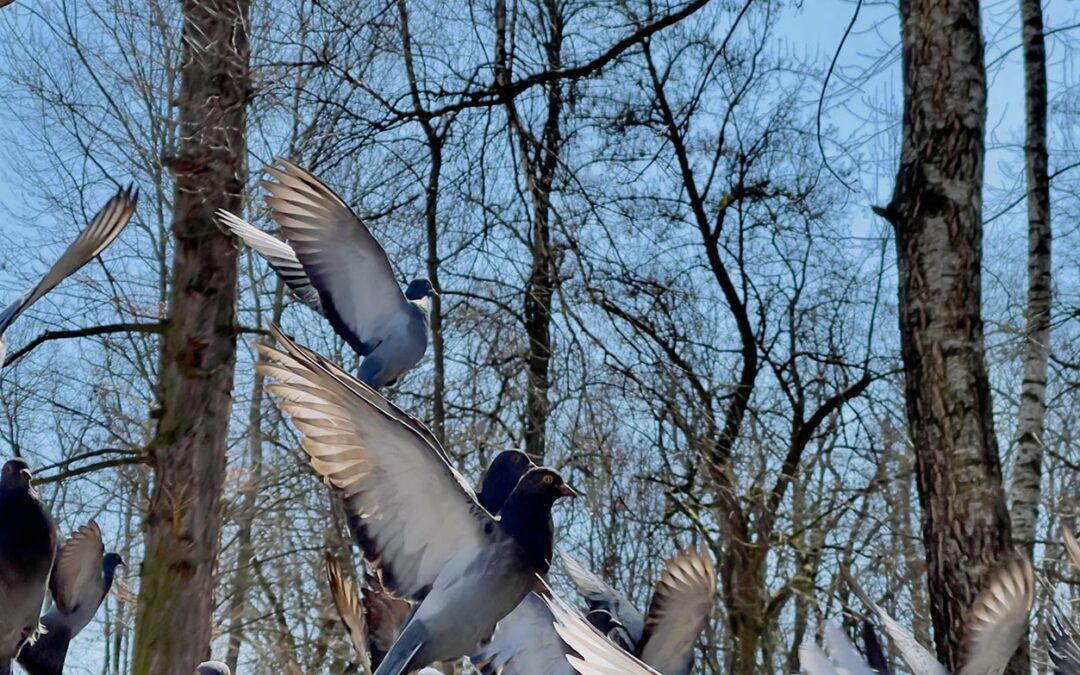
936, 211
172, 630
1028, 470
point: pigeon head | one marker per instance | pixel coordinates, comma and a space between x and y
502, 475
16, 474
605, 622
419, 292
212, 668
543, 485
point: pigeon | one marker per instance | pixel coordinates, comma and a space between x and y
412, 513
81, 578
681, 604
375, 622
212, 668
842, 658
335, 266
105, 227
1064, 652
591, 652
28, 540
996, 623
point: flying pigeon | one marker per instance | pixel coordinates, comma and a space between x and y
212, 668
591, 652
335, 266
81, 578
996, 623
102, 230
680, 608
27, 548
374, 623
842, 657
412, 513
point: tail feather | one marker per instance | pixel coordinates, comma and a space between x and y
400, 659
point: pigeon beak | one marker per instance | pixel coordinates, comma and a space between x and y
568, 491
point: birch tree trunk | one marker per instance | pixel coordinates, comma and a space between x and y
173, 623
936, 211
1026, 491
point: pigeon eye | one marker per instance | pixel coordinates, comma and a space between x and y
547, 479
7, 469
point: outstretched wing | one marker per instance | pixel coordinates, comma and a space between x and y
680, 608
349, 608
410, 511
997, 621
601, 596
278, 254
346, 265
77, 576
102, 230
596, 655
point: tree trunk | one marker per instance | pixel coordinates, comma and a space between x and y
173, 623
1026, 475
936, 211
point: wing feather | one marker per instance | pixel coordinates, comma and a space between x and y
410, 511
997, 621
596, 655
679, 611
77, 568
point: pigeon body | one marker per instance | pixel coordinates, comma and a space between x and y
80, 581
27, 549
103, 229
335, 266
413, 515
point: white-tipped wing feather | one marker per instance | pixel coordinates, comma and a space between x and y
106, 226
346, 265
278, 254
410, 511
680, 609
596, 655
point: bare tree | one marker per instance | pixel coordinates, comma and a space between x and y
936, 211
173, 625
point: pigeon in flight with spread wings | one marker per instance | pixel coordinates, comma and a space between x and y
81, 578
374, 622
996, 622
333, 264
28, 540
412, 513
103, 229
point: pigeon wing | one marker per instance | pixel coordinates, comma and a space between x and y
1064, 652
102, 230
814, 661
997, 621
918, 658
600, 595
278, 254
595, 654
349, 608
679, 611
843, 653
410, 511
77, 576
346, 265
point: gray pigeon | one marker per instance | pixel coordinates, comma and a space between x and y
996, 623
335, 266
81, 578
102, 230
679, 610
27, 548
413, 514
